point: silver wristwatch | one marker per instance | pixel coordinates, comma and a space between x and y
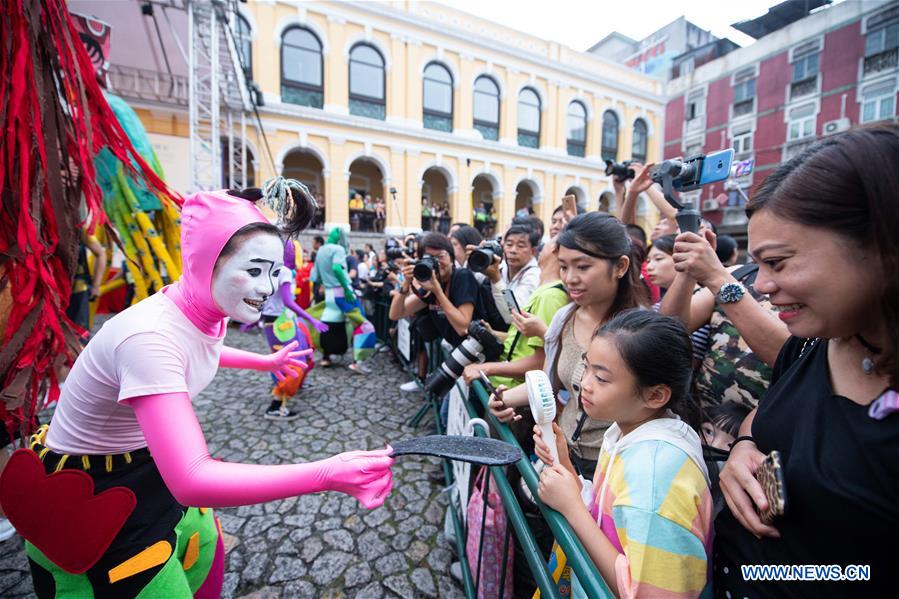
730, 293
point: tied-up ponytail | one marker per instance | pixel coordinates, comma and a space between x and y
292, 201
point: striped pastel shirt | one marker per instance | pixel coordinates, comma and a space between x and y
658, 513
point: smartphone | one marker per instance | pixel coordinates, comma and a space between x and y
771, 477
491, 390
716, 167
511, 302
569, 204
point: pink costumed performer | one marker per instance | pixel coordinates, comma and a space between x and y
125, 428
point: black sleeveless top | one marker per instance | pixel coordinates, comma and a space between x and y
841, 469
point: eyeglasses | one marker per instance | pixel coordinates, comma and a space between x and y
441, 255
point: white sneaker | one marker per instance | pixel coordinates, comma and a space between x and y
6, 529
410, 387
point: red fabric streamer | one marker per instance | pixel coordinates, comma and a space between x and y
53, 121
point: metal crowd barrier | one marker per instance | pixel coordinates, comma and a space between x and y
580, 563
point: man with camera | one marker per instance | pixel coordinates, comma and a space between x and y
447, 297
510, 265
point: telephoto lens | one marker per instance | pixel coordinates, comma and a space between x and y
482, 257
480, 345
425, 268
395, 253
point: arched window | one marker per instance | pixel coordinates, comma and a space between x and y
367, 82
486, 107
577, 129
243, 39
639, 148
609, 136
438, 98
528, 118
301, 68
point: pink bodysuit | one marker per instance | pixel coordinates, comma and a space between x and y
133, 384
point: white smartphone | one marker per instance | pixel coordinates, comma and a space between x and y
511, 302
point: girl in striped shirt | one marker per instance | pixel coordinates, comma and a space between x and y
646, 519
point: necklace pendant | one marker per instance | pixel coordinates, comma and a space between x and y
867, 365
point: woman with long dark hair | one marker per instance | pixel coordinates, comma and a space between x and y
602, 280
823, 230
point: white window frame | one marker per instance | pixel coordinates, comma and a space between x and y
742, 128
801, 121
739, 142
878, 99
793, 58
755, 97
690, 128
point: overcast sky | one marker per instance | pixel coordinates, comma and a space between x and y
581, 23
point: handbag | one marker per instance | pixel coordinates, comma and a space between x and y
487, 555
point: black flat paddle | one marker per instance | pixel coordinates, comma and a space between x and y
476, 450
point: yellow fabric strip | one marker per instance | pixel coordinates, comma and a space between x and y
148, 558
109, 463
62, 463
128, 457
192, 552
85, 462
43, 453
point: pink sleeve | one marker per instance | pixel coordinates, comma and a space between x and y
179, 449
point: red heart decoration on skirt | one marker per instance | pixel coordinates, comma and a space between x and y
59, 513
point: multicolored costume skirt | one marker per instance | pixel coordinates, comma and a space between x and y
107, 526
345, 320
279, 332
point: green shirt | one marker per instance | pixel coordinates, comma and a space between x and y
545, 302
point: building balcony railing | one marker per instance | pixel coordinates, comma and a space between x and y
804, 87
882, 61
144, 84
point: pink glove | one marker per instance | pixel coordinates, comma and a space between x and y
276, 363
194, 478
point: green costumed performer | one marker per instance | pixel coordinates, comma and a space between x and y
341, 309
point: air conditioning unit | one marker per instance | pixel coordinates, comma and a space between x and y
831, 127
710, 205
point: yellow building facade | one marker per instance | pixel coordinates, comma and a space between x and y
329, 121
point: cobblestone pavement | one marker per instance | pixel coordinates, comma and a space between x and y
324, 545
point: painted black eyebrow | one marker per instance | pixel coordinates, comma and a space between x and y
272, 262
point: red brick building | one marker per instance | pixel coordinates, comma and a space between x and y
818, 75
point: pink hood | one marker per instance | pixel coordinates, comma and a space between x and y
208, 220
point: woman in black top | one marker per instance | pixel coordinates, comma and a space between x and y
823, 228
450, 297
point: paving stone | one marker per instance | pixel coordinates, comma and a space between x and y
391, 564
373, 590
329, 567
311, 548
399, 584
324, 545
287, 568
423, 582
339, 539
357, 574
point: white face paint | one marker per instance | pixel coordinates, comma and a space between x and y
243, 281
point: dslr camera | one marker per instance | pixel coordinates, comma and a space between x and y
480, 345
425, 267
482, 257
621, 170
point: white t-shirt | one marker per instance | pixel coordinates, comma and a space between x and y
362, 271
148, 349
274, 305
